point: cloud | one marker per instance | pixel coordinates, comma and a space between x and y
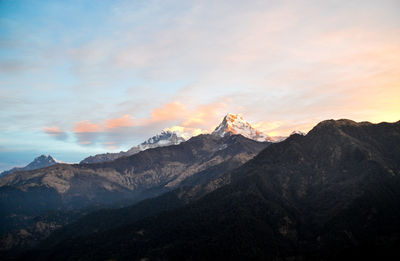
205, 116
118, 131
170, 111
56, 132
283, 128
87, 126
123, 121
87, 132
110, 145
284, 65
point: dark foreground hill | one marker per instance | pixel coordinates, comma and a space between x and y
333, 194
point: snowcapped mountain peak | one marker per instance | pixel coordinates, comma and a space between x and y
165, 138
298, 132
235, 124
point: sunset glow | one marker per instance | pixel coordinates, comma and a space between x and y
84, 77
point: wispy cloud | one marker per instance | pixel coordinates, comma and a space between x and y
123, 121
183, 65
173, 116
56, 132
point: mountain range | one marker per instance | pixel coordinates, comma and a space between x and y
165, 138
24, 196
232, 124
333, 193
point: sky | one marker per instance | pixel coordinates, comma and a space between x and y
84, 77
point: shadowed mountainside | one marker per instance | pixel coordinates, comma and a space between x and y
329, 195
26, 195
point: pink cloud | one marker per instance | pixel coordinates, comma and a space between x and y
55, 132
52, 130
170, 111
123, 121
205, 116
87, 126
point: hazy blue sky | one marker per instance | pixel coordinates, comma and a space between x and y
84, 77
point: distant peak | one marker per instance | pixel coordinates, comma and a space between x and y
45, 157
165, 138
41, 161
235, 124
298, 132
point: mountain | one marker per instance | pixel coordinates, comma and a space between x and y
333, 194
24, 196
298, 132
38, 163
165, 138
234, 124
148, 172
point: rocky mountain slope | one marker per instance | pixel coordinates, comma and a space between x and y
329, 195
63, 187
165, 138
39, 162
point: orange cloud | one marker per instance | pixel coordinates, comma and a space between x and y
87, 126
170, 111
52, 130
110, 145
123, 121
205, 116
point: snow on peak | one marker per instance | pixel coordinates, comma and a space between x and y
165, 138
235, 124
298, 132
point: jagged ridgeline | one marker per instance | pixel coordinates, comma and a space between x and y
165, 162
333, 194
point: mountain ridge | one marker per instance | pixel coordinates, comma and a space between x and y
68, 187
329, 195
165, 138
231, 124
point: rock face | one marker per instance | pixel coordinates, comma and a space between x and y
39, 162
333, 194
166, 138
